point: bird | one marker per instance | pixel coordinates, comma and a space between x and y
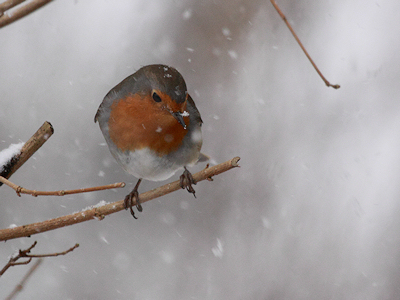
152, 127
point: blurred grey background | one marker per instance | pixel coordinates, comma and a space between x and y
313, 212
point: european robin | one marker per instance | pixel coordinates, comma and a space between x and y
152, 127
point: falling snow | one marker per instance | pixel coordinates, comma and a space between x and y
218, 250
317, 190
226, 31
103, 238
233, 54
187, 14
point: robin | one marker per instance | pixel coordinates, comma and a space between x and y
152, 127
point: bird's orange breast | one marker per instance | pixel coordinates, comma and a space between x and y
137, 122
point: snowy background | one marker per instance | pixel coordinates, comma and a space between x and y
313, 212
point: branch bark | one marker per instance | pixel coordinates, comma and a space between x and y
20, 11
99, 212
6, 5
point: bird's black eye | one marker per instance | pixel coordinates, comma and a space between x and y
156, 97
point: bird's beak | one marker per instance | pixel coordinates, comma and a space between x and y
178, 116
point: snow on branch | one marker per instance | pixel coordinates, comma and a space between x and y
28, 149
8, 154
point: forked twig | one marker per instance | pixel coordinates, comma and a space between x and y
25, 253
335, 86
20, 190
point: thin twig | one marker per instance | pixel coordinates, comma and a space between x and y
30, 147
54, 254
25, 253
99, 212
20, 190
20, 285
335, 86
19, 12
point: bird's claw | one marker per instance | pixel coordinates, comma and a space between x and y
186, 181
133, 198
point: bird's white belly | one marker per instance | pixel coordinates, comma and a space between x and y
144, 163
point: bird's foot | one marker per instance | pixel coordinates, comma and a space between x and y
186, 181
133, 199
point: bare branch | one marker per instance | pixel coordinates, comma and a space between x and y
30, 147
99, 212
20, 190
335, 86
20, 286
19, 12
25, 253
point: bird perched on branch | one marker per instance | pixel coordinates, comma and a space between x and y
152, 127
